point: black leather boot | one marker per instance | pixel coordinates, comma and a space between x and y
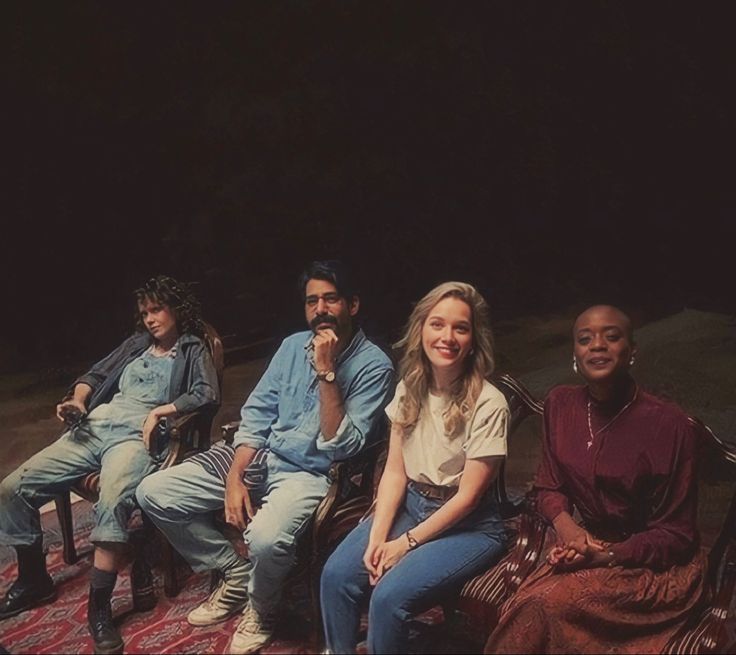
99, 619
34, 585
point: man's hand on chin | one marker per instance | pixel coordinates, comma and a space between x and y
325, 344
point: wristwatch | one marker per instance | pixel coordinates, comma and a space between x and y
326, 376
412, 541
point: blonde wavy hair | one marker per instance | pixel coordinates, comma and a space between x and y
416, 371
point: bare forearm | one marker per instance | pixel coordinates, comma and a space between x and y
476, 479
331, 409
238, 508
243, 457
391, 491
82, 392
452, 512
566, 527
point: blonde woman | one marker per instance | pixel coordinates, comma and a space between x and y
434, 524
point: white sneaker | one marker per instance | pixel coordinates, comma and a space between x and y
253, 632
223, 602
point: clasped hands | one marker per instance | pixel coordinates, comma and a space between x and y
578, 550
380, 557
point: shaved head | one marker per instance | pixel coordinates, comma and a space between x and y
607, 313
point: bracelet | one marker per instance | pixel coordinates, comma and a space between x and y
413, 543
612, 561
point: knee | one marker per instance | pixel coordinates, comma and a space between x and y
388, 600
6, 491
145, 495
339, 579
332, 573
270, 545
9, 487
539, 606
334, 577
141, 496
114, 502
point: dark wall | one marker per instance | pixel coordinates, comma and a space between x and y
552, 153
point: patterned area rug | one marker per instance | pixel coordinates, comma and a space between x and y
61, 627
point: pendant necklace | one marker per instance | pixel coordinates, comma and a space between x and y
620, 411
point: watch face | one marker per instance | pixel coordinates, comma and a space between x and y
330, 376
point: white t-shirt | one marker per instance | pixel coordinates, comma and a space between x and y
432, 456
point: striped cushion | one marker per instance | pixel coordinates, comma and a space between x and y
88, 487
488, 587
219, 458
701, 638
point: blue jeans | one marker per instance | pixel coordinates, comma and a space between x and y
122, 465
418, 582
181, 502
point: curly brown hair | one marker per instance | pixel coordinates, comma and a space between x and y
179, 297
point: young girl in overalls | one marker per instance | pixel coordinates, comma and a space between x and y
112, 413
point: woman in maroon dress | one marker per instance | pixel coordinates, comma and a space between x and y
624, 579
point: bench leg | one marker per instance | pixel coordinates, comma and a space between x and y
169, 556
141, 584
64, 513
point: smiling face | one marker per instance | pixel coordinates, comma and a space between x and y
159, 319
603, 344
447, 337
325, 308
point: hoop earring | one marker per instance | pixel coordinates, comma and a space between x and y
575, 365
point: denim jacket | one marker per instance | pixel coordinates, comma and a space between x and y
282, 412
193, 376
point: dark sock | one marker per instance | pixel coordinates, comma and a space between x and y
101, 579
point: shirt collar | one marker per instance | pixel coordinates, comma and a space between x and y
171, 354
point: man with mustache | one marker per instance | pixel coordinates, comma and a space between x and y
321, 399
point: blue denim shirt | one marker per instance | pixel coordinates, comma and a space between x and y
282, 412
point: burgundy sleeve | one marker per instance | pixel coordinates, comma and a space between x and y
671, 535
548, 483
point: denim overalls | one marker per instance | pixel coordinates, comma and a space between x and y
109, 440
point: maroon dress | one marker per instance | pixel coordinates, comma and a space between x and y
634, 487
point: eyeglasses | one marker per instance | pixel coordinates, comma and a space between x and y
329, 298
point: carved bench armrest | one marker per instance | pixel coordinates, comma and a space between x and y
715, 632
349, 479
180, 432
228, 431
527, 551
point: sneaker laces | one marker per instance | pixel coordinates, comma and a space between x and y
252, 622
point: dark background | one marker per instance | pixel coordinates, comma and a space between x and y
554, 154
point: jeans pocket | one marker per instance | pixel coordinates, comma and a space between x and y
429, 507
485, 518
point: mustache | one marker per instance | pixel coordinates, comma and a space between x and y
321, 320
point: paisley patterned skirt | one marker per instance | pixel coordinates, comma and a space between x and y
602, 610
